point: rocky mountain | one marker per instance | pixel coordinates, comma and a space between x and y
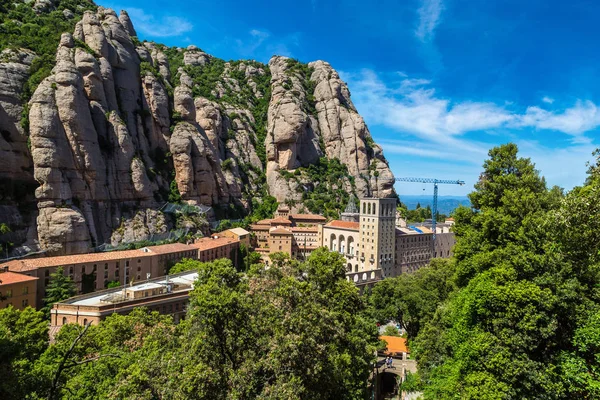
99, 130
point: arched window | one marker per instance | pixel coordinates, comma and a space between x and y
85, 321
64, 320
342, 244
349, 268
333, 242
374, 209
364, 208
369, 208
350, 245
356, 268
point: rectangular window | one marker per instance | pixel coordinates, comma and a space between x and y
9, 293
26, 290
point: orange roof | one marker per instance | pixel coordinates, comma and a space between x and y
29, 264
257, 227
281, 220
264, 221
7, 278
395, 344
450, 219
210, 243
170, 248
308, 216
344, 224
280, 231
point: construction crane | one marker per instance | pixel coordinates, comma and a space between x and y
435, 182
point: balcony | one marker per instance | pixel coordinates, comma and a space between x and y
349, 255
362, 258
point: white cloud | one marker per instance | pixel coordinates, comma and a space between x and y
582, 117
165, 26
429, 16
431, 131
414, 107
547, 99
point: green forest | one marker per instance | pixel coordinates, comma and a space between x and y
516, 313
294, 331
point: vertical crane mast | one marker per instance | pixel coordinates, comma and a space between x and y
435, 194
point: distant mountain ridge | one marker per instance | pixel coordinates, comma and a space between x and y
446, 204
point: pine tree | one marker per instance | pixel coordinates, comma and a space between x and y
61, 287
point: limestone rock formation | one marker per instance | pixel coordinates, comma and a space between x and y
93, 131
115, 130
345, 134
297, 137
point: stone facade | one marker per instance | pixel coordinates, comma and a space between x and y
168, 295
92, 272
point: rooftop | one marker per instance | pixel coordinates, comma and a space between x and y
210, 243
239, 231
30, 264
280, 220
169, 248
7, 278
314, 217
264, 221
180, 283
344, 224
395, 344
280, 231
258, 227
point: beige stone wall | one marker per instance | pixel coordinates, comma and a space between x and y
281, 243
377, 234
444, 242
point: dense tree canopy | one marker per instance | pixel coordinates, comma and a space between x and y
515, 315
293, 331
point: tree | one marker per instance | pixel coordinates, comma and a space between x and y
59, 288
4, 245
412, 299
391, 331
23, 338
496, 336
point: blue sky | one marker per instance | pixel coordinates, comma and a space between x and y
439, 82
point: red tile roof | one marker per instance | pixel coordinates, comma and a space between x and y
7, 278
264, 221
281, 220
344, 224
395, 344
257, 227
280, 231
210, 243
314, 217
170, 248
30, 264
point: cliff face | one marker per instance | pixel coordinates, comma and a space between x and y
119, 126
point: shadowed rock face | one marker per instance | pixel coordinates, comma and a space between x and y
105, 145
